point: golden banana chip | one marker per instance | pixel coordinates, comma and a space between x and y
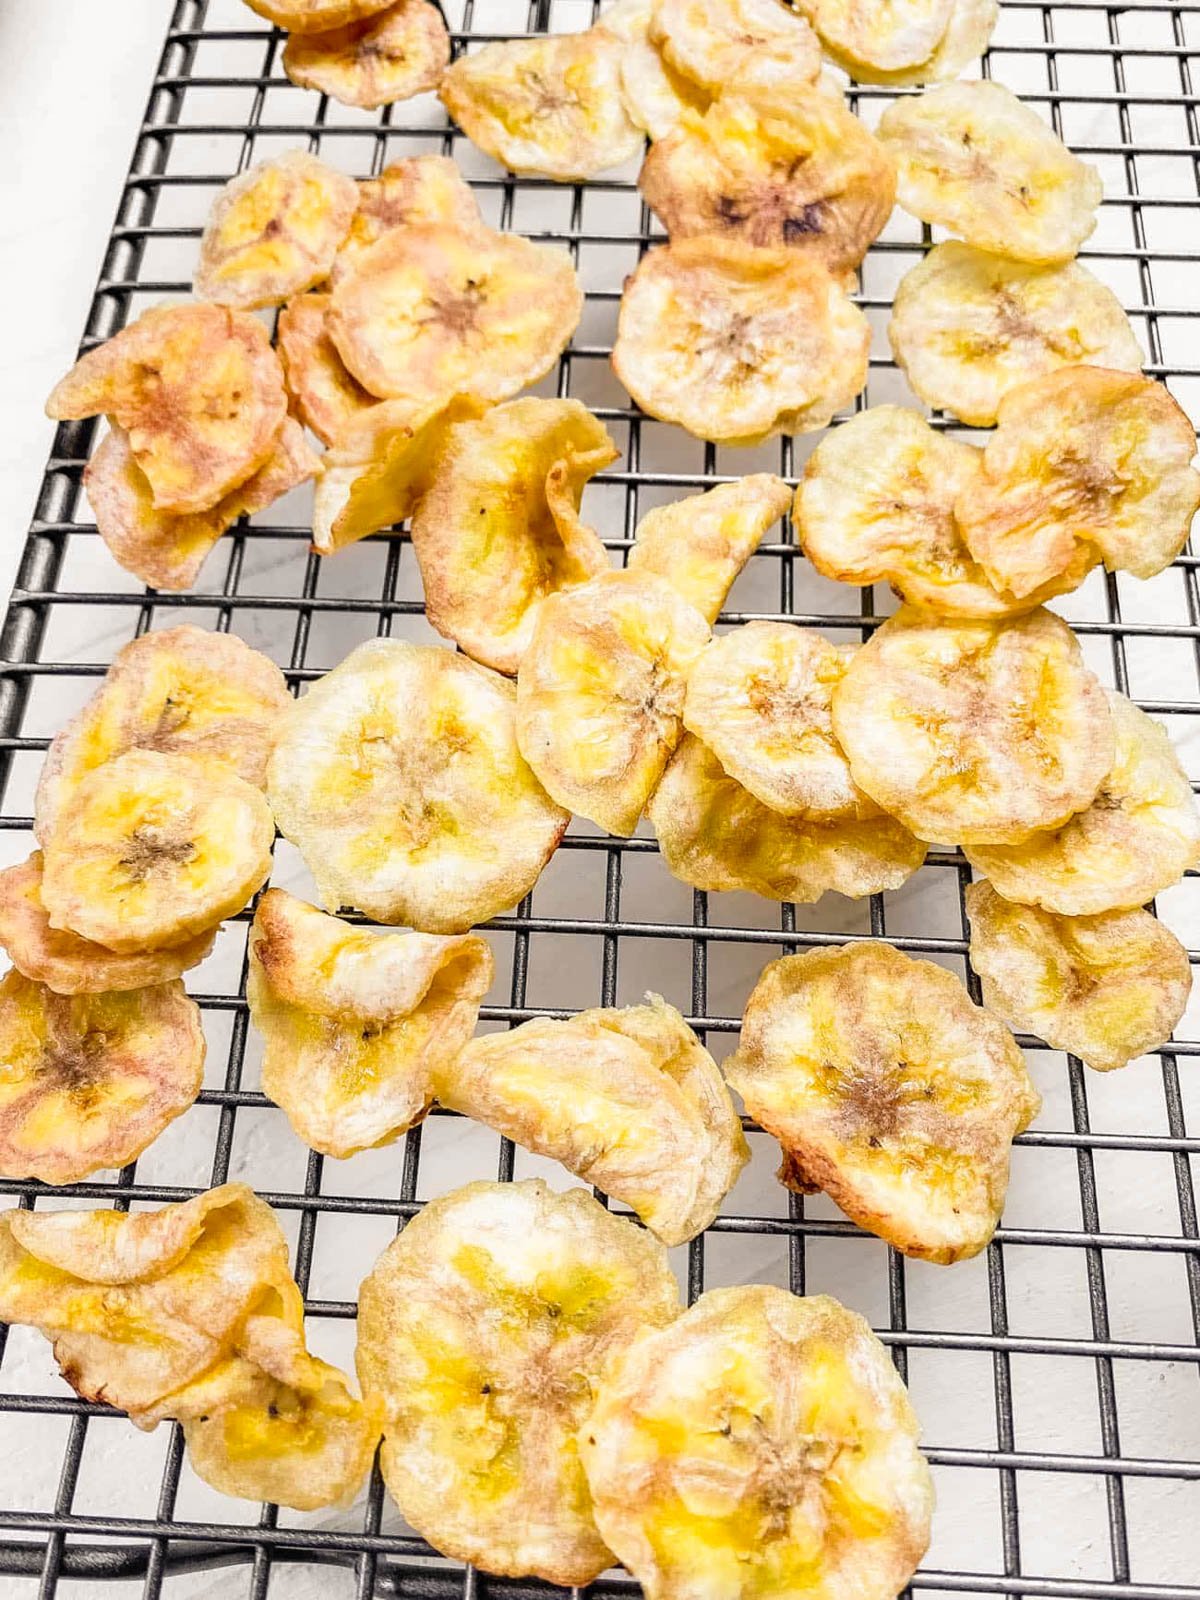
199, 391
91, 1079
736, 343
357, 1024
324, 394
715, 835
390, 55
968, 326
315, 16
723, 44
498, 529
484, 1329
972, 731
1085, 465
761, 1444
975, 160
1139, 836
889, 1089
627, 1099
399, 779
1106, 988
416, 189
655, 95
600, 691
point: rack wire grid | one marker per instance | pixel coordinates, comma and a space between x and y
1056, 1374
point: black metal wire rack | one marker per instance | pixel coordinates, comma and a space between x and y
1057, 1374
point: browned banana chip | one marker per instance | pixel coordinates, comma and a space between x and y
413, 190
391, 55
1106, 988
357, 1025
499, 527
889, 1089
974, 731
315, 16
721, 44
327, 399
199, 391
627, 1099
655, 95
736, 343
91, 1079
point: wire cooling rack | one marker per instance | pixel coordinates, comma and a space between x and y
1056, 1375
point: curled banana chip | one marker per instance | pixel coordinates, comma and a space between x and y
314, 16
326, 398
390, 55
416, 189
1106, 988
968, 326
655, 95
861, 37
484, 1329
199, 391
627, 1099
1139, 836
600, 691
723, 44
761, 1444
399, 779
91, 1079
736, 343
889, 1089
974, 731
1085, 465
357, 1024
975, 160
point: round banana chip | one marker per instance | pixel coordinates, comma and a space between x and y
415, 189
975, 160
91, 1079
152, 849
655, 95
315, 16
357, 1024
628, 1100
326, 398
889, 1089
600, 691
1085, 465
769, 167
761, 1444
432, 311
884, 36
498, 529
1105, 988
972, 731
735, 343
199, 391
1139, 836
715, 835
391, 55
399, 779
968, 326
484, 1329
723, 44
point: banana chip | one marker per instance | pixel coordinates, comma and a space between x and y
889, 1089
723, 44
327, 399
399, 779
715, 835
600, 691
736, 343
628, 1100
484, 1329
315, 16
761, 1444
199, 391
968, 326
416, 189
1085, 465
357, 1024
91, 1079
971, 731
862, 37
975, 160
1139, 836
655, 95
1106, 988
391, 55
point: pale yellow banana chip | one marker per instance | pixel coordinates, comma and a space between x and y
627, 1099
484, 1330
655, 94
415, 189
968, 326
1139, 836
499, 528
889, 1089
600, 691
388, 56
736, 343
314, 16
1106, 988
399, 779
882, 35
972, 731
723, 44
326, 398
357, 1025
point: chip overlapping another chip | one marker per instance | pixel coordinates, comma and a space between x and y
415, 189
324, 394
391, 55
723, 44
656, 94
313, 16
899, 42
